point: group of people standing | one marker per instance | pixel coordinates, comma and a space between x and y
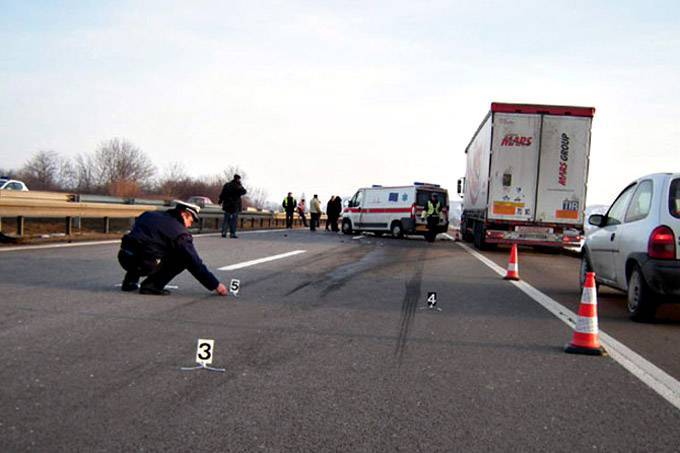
333, 211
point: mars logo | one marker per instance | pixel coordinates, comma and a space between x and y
516, 140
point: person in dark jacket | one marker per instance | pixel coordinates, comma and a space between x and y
330, 205
333, 210
289, 205
159, 246
230, 199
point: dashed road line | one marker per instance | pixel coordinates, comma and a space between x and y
260, 260
655, 378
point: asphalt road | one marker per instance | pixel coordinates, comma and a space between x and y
327, 350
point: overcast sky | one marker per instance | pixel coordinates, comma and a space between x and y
325, 96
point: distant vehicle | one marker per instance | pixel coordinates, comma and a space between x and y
200, 201
395, 210
525, 178
12, 184
634, 246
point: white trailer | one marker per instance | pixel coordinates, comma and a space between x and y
525, 178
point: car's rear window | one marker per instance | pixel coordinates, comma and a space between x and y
674, 198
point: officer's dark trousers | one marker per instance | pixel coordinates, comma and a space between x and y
432, 224
159, 273
289, 219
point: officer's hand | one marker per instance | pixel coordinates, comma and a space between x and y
221, 289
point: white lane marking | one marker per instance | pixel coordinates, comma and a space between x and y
112, 241
357, 237
118, 285
657, 379
260, 260
55, 246
449, 237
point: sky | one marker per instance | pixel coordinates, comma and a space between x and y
329, 96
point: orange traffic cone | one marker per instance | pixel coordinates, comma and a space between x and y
513, 268
586, 336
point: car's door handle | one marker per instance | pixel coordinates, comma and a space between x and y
611, 238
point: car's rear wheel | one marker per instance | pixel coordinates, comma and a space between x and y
347, 226
397, 230
641, 304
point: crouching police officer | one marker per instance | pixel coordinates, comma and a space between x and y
432, 211
159, 246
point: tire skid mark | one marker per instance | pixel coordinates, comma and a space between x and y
408, 306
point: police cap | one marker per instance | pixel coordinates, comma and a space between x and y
188, 207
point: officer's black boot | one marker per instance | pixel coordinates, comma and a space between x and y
130, 282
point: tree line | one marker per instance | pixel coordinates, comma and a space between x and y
119, 168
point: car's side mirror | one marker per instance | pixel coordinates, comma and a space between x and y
597, 220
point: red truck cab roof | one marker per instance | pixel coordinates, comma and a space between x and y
542, 109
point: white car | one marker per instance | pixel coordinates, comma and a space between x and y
12, 184
634, 246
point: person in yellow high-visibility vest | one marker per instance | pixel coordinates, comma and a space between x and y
432, 211
289, 205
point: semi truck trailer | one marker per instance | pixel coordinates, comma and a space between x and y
525, 177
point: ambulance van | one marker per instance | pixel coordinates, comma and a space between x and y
394, 210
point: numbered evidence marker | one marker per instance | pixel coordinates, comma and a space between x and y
234, 286
204, 356
432, 301
204, 351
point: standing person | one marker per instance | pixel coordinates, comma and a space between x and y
159, 246
337, 211
432, 211
330, 206
314, 212
301, 211
230, 199
289, 204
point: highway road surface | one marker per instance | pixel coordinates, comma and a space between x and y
330, 348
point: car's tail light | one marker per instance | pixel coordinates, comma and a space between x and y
413, 211
661, 243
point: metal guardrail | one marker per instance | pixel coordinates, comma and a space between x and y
74, 207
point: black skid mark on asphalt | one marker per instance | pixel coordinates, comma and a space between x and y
311, 260
409, 306
339, 276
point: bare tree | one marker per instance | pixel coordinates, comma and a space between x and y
85, 179
257, 198
41, 172
118, 162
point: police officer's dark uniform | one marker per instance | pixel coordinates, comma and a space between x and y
432, 211
289, 205
160, 246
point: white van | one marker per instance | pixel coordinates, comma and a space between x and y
395, 210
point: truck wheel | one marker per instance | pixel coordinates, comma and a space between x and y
478, 236
641, 307
397, 230
347, 226
467, 237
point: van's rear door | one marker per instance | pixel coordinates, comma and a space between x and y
514, 161
565, 145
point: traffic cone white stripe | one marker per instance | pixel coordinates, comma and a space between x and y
586, 325
589, 296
